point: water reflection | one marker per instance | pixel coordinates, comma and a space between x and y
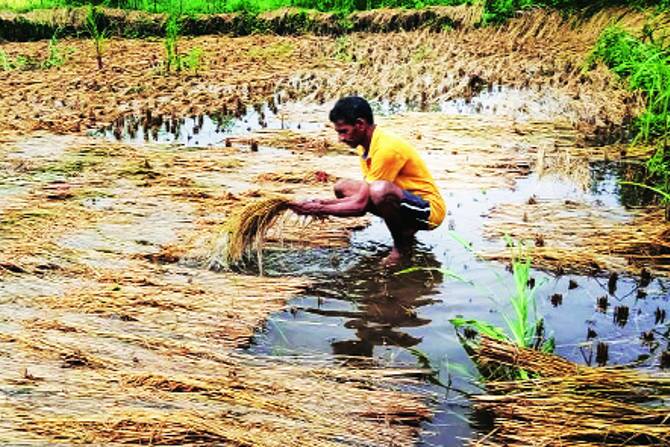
605, 178
388, 304
373, 308
200, 130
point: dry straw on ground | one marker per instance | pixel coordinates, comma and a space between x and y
570, 404
150, 343
299, 177
238, 401
539, 50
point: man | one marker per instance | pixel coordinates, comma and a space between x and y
397, 185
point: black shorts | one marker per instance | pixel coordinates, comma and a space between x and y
415, 210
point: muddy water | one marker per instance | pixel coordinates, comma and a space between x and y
213, 129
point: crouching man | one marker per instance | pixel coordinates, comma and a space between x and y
397, 185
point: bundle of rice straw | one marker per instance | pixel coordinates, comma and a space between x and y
246, 230
571, 405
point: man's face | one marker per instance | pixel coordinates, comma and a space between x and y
352, 135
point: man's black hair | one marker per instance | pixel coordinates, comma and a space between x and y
349, 109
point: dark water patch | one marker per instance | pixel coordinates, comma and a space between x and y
202, 130
665, 359
605, 178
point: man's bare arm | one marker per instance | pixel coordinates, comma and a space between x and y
350, 206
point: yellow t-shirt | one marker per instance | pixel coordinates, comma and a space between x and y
393, 159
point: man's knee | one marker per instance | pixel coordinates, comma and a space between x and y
347, 187
382, 192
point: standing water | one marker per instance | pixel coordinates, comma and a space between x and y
357, 308
359, 312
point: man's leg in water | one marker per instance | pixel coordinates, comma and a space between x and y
384, 201
385, 198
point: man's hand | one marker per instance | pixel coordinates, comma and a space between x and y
312, 207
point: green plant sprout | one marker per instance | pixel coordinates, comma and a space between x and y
5, 61
172, 29
55, 58
342, 50
193, 60
96, 32
523, 326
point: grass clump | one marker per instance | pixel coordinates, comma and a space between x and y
496, 11
245, 230
193, 60
56, 57
174, 61
172, 29
645, 65
523, 326
6, 63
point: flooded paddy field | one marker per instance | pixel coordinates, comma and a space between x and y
114, 329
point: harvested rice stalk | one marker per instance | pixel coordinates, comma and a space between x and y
571, 404
245, 230
496, 352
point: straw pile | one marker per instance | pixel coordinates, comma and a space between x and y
578, 237
150, 343
245, 230
570, 404
268, 403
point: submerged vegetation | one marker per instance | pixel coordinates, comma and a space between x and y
525, 327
